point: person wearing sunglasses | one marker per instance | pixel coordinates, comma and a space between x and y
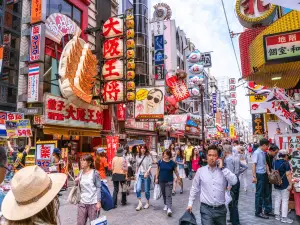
154, 98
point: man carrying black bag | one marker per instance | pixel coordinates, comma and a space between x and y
188, 218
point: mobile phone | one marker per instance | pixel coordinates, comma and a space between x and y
218, 163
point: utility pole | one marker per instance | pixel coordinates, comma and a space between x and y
202, 114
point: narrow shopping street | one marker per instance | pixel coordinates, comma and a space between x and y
155, 214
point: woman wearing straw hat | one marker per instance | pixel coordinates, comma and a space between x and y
33, 197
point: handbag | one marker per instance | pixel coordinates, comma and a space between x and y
74, 195
100, 221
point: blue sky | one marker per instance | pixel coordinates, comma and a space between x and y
204, 23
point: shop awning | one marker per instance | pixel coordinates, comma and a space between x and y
139, 132
265, 73
71, 131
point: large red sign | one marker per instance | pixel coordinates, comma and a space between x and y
64, 112
121, 112
112, 146
179, 88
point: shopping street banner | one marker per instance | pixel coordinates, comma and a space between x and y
112, 147
149, 104
283, 107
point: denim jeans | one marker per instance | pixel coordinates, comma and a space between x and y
147, 182
212, 216
233, 205
189, 165
261, 195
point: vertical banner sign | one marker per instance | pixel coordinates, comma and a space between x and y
206, 59
33, 83
37, 43
121, 112
232, 131
258, 124
1, 59
64, 164
112, 146
159, 53
43, 153
214, 97
38, 11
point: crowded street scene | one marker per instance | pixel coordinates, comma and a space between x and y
149, 112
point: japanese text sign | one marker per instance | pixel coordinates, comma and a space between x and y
233, 101
43, 153
59, 25
158, 28
214, 97
63, 112
113, 27
232, 131
34, 83
232, 81
14, 116
258, 124
179, 88
282, 47
112, 146
121, 112
37, 43
206, 60
38, 11
159, 72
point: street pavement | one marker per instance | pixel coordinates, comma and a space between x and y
155, 214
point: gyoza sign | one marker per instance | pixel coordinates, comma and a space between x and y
282, 47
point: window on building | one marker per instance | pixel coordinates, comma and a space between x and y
63, 7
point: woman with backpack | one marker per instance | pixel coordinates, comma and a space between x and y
119, 176
164, 176
143, 174
179, 160
90, 191
282, 186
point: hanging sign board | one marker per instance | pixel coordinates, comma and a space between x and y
43, 153
258, 124
37, 43
34, 86
38, 11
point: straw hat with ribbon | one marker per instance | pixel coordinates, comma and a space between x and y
32, 189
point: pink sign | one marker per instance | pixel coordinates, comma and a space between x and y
58, 25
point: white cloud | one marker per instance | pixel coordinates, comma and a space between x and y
204, 23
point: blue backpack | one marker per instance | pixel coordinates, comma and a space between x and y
106, 199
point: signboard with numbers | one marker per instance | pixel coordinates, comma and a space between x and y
282, 47
24, 128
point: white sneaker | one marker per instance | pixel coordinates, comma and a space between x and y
165, 208
169, 212
146, 206
140, 206
286, 220
277, 217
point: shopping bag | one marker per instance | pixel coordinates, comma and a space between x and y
100, 221
157, 192
188, 218
228, 198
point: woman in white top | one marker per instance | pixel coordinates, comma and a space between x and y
90, 191
143, 173
244, 159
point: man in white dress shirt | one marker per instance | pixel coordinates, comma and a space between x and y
211, 181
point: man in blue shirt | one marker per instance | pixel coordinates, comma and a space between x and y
260, 178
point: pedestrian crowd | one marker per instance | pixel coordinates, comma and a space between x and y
218, 171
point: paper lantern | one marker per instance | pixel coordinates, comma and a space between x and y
194, 57
130, 24
113, 69
130, 54
130, 85
130, 96
130, 44
113, 27
130, 33
130, 64
130, 75
113, 48
196, 69
113, 91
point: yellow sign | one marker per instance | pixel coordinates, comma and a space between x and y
231, 130
257, 98
141, 94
